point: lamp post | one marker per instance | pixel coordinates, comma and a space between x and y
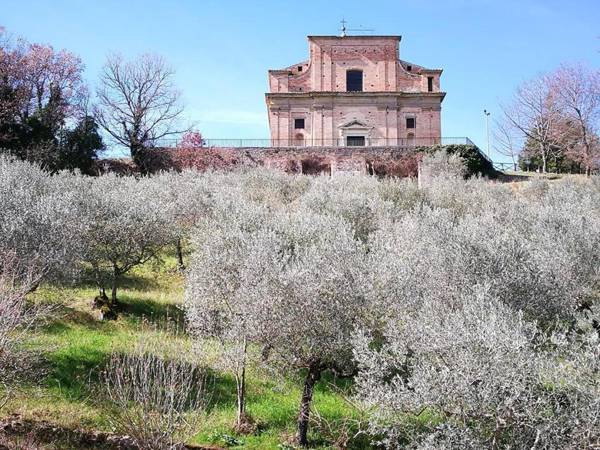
487, 130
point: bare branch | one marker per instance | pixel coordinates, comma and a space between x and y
138, 103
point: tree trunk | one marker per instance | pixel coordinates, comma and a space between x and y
139, 157
241, 390
544, 165
180, 264
113, 292
313, 375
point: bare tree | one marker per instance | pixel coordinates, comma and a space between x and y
138, 103
577, 91
508, 142
535, 114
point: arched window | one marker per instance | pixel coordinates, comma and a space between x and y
354, 80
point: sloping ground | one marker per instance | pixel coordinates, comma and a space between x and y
61, 406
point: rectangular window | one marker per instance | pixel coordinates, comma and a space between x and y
429, 84
409, 68
299, 124
354, 81
355, 141
411, 122
299, 68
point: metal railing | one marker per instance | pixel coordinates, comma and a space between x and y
338, 142
506, 166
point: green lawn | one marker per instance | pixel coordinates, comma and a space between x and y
74, 345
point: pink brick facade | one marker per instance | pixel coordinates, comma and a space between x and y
315, 102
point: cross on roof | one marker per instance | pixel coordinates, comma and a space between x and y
344, 29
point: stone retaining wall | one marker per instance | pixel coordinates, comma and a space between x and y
312, 160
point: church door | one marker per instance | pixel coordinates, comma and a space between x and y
355, 141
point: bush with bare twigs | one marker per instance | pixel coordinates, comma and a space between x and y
157, 400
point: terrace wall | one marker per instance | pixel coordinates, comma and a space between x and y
381, 161
392, 161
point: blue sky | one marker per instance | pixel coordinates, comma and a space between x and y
221, 50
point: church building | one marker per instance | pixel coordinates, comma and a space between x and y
354, 91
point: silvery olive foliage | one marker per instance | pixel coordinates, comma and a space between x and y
38, 221
351, 199
487, 335
39, 240
313, 300
465, 304
270, 187
67, 222
443, 165
475, 374
466, 311
312, 291
125, 225
282, 277
185, 197
232, 251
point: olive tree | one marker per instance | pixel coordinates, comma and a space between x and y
38, 220
288, 282
311, 300
232, 251
537, 254
187, 197
351, 199
125, 227
469, 295
473, 373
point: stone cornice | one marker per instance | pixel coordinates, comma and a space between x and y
363, 37
330, 94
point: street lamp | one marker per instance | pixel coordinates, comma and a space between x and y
487, 130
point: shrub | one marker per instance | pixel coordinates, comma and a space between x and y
443, 165
155, 399
16, 316
476, 163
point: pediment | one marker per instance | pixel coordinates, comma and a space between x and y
355, 124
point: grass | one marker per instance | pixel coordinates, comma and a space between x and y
74, 346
